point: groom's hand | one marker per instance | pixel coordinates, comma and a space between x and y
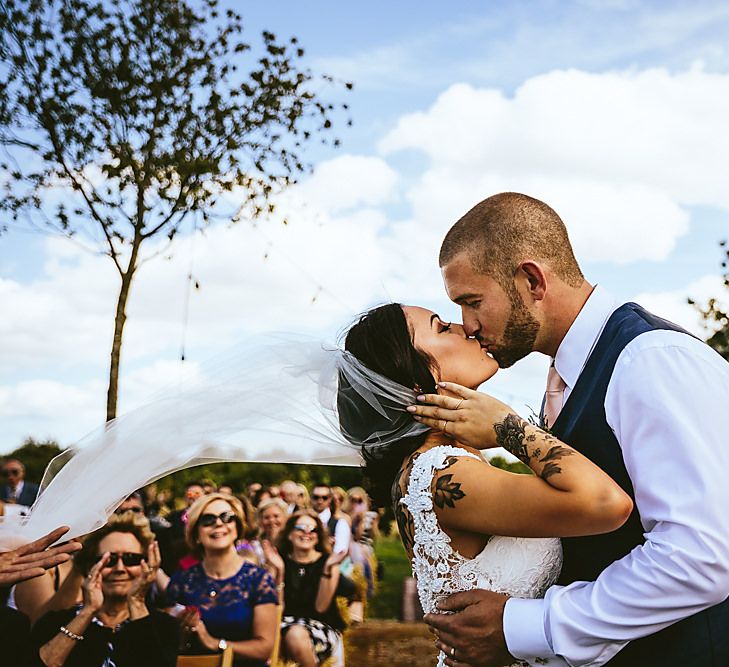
474, 629
466, 415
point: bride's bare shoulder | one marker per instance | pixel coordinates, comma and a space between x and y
445, 492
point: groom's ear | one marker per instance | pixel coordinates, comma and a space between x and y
533, 276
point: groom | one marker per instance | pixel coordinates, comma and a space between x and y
645, 401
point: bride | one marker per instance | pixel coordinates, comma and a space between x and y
464, 523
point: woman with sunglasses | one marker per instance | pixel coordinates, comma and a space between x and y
311, 625
113, 624
229, 601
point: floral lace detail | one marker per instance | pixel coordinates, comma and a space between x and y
522, 567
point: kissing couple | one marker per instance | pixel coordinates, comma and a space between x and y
630, 465
615, 551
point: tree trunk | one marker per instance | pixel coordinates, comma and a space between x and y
119, 321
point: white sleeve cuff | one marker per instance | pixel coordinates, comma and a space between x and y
525, 635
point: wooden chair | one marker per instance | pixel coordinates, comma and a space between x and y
277, 638
224, 659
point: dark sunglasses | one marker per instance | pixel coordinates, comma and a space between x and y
318, 497
307, 530
8, 472
136, 510
129, 559
208, 520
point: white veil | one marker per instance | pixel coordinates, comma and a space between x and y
282, 399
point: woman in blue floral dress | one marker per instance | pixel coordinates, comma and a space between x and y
227, 600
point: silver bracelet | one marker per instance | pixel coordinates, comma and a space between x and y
71, 635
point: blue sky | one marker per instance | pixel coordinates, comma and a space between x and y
616, 113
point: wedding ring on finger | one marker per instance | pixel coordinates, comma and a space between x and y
453, 653
445, 425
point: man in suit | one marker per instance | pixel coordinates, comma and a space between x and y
640, 397
16, 490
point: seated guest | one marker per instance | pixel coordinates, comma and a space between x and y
16, 490
364, 533
262, 494
302, 497
340, 532
290, 494
249, 546
311, 625
229, 601
113, 625
272, 515
252, 492
174, 554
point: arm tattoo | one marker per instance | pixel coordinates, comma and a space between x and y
511, 435
551, 467
405, 524
447, 492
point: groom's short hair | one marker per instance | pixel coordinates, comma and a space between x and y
506, 229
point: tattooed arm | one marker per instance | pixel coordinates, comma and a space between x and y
568, 495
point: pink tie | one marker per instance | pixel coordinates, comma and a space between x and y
554, 397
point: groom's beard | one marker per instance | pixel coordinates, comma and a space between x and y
520, 333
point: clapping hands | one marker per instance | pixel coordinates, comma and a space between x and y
273, 560
150, 566
93, 596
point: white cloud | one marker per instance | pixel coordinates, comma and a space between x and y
348, 181
673, 305
620, 155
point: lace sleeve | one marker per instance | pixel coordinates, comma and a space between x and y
435, 564
265, 590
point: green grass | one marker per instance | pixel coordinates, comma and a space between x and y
386, 602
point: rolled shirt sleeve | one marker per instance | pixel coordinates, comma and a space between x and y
665, 403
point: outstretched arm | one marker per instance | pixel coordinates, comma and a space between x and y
32, 560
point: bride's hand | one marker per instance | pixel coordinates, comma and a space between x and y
469, 417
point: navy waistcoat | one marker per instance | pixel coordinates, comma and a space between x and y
701, 640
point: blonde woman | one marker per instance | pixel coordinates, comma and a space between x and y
228, 600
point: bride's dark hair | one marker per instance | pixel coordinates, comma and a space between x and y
381, 340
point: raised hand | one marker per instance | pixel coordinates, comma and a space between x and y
32, 560
334, 558
468, 416
273, 560
150, 567
93, 597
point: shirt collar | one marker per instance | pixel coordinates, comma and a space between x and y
325, 515
581, 337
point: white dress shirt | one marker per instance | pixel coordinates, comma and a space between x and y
665, 403
342, 531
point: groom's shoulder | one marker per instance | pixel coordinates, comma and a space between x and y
665, 349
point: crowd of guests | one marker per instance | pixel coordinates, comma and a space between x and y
273, 574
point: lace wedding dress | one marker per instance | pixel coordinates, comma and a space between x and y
520, 566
